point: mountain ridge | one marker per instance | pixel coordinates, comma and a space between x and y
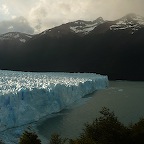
113, 48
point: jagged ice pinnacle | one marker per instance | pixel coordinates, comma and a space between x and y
26, 97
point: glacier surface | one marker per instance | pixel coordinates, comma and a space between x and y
27, 97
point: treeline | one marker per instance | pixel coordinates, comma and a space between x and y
106, 129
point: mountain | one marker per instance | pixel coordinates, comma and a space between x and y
114, 48
9, 45
130, 22
13, 40
15, 36
79, 27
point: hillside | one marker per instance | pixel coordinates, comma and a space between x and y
114, 48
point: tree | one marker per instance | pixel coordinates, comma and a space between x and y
137, 132
29, 138
1, 142
105, 130
56, 139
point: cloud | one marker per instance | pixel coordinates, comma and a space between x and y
114, 9
19, 24
49, 13
4, 9
44, 14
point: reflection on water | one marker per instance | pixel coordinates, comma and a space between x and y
124, 98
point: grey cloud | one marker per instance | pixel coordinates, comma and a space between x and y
40, 12
19, 24
65, 7
113, 9
47, 13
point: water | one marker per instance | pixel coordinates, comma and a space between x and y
126, 99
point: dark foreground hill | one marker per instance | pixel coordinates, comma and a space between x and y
114, 48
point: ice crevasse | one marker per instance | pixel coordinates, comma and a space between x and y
26, 97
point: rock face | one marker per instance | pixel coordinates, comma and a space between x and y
27, 97
113, 48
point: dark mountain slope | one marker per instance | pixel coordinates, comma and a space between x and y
10, 43
114, 48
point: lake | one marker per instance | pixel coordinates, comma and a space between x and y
125, 98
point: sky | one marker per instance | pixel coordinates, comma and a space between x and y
35, 16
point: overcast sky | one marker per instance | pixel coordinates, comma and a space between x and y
37, 15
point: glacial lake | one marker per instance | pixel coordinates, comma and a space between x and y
125, 98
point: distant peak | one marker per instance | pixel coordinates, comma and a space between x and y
99, 18
133, 16
84, 27
132, 22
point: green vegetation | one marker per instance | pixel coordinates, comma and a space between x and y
1, 142
106, 129
29, 138
56, 139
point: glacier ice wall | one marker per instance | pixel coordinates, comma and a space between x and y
26, 97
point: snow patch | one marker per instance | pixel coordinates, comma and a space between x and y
11, 27
43, 33
8, 35
122, 25
16, 36
139, 19
133, 22
22, 40
29, 36
85, 27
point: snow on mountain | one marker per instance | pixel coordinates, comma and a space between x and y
22, 40
79, 27
132, 22
84, 27
26, 97
15, 36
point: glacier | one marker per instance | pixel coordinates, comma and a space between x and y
26, 97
